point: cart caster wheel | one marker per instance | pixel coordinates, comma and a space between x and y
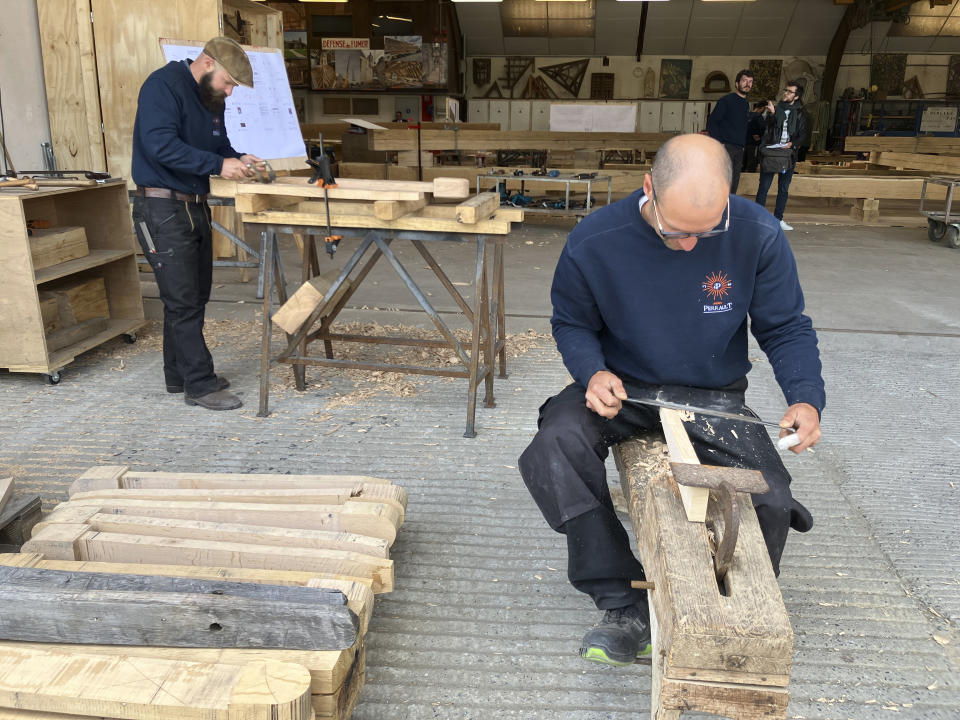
935, 230
53, 378
130, 338
953, 236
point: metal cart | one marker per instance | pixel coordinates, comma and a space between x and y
945, 224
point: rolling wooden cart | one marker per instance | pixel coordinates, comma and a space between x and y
35, 337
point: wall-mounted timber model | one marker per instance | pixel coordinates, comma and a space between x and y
255, 568
721, 646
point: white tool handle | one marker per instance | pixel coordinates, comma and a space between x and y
788, 441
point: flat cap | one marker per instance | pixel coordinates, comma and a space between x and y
231, 56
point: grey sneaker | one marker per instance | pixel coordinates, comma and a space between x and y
620, 638
222, 384
217, 400
784, 226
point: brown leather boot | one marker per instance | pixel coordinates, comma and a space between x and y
216, 400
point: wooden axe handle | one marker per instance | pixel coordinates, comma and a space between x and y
27, 183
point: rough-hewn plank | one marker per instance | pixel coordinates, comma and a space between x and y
133, 688
91, 608
478, 208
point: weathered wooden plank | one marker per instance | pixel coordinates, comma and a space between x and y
364, 518
73, 334
135, 688
941, 164
55, 606
18, 518
347, 188
228, 532
308, 297
681, 451
478, 208
79, 542
936, 145
258, 203
358, 593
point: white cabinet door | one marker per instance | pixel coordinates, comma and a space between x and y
479, 111
671, 117
500, 113
694, 117
540, 115
649, 116
519, 115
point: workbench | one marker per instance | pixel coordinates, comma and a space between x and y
477, 224
565, 180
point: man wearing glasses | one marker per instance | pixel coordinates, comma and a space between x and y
787, 130
651, 299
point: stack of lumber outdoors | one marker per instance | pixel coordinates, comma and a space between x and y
238, 596
384, 204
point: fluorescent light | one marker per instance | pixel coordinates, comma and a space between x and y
641, 0
328, 1
391, 17
561, 0
477, 1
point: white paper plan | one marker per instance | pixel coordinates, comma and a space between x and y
260, 120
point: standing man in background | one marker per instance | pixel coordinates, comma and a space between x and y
787, 130
179, 140
727, 123
756, 126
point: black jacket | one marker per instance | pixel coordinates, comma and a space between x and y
800, 137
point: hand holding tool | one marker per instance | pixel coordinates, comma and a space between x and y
323, 177
784, 443
262, 172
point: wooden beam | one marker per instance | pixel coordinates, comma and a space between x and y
54, 606
943, 165
393, 209
373, 519
515, 140
681, 451
358, 593
313, 213
115, 686
346, 188
201, 530
78, 542
478, 208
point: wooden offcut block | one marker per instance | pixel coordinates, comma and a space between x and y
81, 300
71, 334
477, 208
295, 311
866, 210
57, 245
408, 158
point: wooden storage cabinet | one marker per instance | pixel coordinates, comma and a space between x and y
104, 213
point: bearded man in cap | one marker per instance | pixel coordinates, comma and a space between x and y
179, 140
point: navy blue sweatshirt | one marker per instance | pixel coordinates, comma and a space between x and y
624, 302
177, 142
728, 121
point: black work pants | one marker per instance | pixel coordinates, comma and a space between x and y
563, 468
751, 158
182, 260
736, 160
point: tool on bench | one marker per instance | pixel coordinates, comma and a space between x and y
262, 172
323, 177
19, 183
88, 174
783, 443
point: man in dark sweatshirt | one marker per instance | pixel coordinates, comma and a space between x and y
651, 298
727, 123
179, 140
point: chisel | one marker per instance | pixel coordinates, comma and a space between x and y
783, 443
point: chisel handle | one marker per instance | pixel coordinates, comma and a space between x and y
788, 441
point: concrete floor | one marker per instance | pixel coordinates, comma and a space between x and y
483, 623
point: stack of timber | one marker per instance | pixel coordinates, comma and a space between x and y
206, 577
18, 516
383, 204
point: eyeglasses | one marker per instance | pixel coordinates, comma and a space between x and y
682, 235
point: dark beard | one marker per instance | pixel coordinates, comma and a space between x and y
213, 100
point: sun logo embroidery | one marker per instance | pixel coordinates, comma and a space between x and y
717, 287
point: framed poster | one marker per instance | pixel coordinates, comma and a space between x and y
675, 78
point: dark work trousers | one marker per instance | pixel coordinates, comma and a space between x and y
563, 468
751, 158
182, 262
783, 190
736, 159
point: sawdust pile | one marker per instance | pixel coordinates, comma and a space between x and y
345, 386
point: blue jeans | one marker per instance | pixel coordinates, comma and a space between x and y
783, 187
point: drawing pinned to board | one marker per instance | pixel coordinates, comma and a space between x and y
481, 71
887, 72
295, 44
766, 80
675, 78
435, 64
323, 71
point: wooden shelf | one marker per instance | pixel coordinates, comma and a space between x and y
115, 327
71, 267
